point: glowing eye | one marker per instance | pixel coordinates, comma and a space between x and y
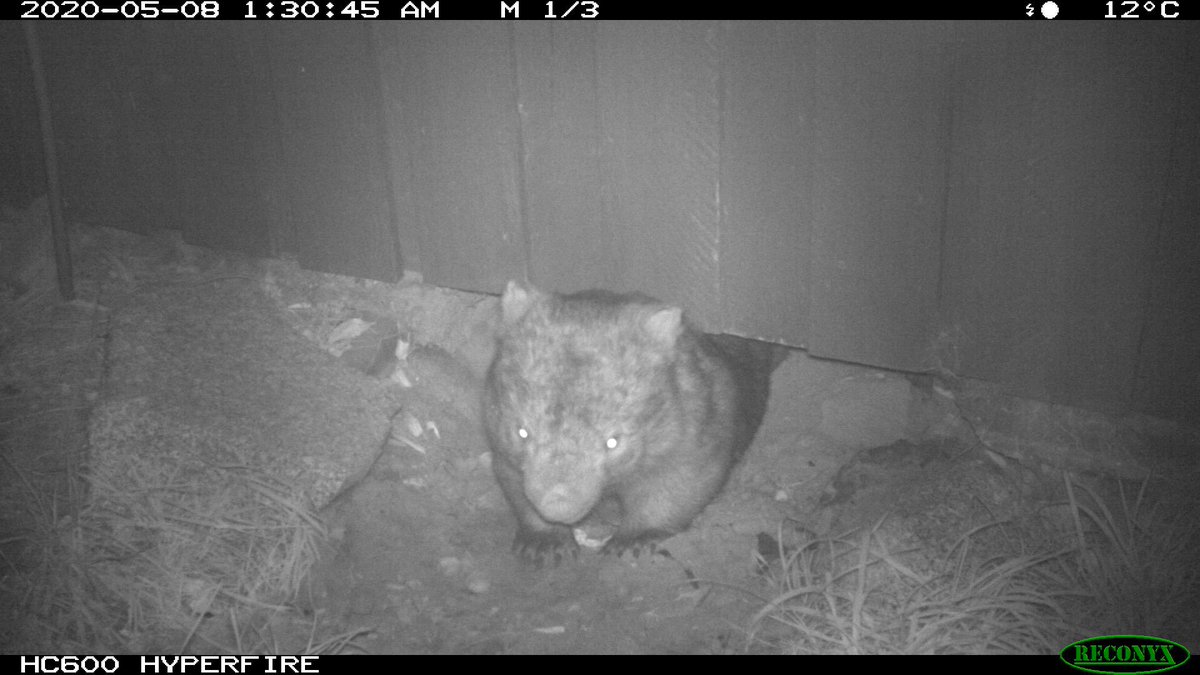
523, 433
611, 443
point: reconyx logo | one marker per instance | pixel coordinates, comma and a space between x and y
1124, 654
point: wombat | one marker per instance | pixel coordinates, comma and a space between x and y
596, 395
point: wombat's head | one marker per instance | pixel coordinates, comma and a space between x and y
581, 383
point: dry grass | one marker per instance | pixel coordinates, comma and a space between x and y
152, 563
1139, 564
1125, 572
132, 555
855, 596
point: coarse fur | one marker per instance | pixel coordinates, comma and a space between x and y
600, 395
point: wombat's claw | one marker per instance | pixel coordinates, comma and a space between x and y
542, 548
647, 541
633, 548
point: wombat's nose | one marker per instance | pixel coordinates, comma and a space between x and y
561, 504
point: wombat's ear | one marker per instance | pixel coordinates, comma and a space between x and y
665, 325
517, 300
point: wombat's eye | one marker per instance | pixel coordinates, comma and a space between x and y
612, 443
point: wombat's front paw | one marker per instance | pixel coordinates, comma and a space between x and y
545, 546
646, 541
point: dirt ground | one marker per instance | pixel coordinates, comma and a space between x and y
418, 550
